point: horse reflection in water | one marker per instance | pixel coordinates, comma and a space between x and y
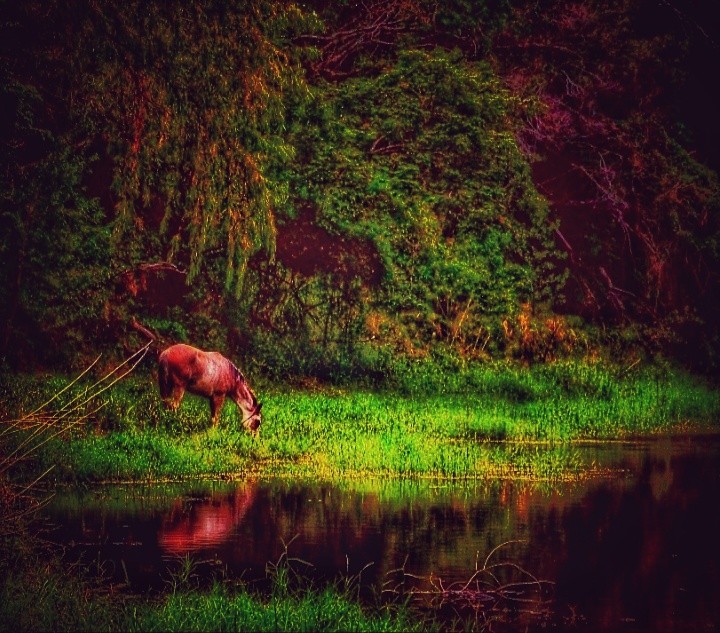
207, 524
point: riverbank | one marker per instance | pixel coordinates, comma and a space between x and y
486, 422
203, 555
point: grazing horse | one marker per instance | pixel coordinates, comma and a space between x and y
208, 374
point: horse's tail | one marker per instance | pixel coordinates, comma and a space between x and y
156, 341
164, 381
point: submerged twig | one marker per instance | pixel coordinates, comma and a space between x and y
483, 592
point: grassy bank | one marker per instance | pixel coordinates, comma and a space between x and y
485, 421
39, 593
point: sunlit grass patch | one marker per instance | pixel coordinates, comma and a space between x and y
473, 432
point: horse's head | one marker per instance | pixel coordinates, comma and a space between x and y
248, 403
253, 419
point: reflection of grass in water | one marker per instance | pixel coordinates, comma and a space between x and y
137, 499
500, 422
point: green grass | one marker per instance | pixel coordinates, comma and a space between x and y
42, 595
484, 422
487, 421
220, 610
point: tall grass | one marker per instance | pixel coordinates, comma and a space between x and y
41, 593
290, 602
483, 421
218, 610
51, 597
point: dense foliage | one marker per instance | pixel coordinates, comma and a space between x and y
326, 187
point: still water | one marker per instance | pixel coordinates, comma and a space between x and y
635, 549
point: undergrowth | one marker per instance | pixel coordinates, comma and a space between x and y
42, 593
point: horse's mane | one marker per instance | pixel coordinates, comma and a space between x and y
239, 374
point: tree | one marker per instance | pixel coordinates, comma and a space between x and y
614, 153
417, 156
169, 115
194, 124
54, 271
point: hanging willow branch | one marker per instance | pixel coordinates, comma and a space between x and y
190, 99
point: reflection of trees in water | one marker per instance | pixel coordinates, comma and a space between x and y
640, 543
643, 553
442, 531
429, 536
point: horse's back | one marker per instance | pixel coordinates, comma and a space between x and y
200, 372
179, 353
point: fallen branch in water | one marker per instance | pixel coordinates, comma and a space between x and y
483, 594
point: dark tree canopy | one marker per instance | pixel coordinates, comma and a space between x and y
337, 179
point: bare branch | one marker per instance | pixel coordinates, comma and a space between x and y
378, 24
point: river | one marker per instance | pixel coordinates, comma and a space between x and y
632, 549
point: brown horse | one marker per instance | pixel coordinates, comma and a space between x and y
208, 374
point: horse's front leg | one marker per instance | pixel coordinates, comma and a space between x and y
216, 404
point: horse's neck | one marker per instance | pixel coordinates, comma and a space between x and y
246, 398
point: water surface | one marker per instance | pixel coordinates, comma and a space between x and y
635, 550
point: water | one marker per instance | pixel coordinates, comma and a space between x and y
634, 550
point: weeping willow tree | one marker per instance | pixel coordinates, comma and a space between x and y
188, 102
135, 132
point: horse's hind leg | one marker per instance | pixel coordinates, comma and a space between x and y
170, 392
175, 398
164, 382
